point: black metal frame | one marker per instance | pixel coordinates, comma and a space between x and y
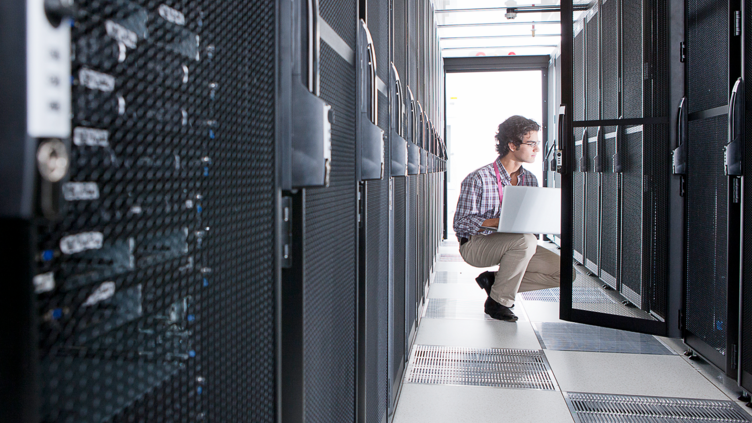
567, 144
729, 363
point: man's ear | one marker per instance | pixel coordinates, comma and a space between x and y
511, 146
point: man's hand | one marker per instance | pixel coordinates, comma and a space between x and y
491, 223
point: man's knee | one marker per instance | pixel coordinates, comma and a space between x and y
529, 243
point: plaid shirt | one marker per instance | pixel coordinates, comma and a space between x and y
479, 198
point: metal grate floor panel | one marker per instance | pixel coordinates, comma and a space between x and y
580, 295
598, 408
489, 367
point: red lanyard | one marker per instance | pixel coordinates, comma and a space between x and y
498, 182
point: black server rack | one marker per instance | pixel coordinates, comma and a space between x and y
320, 290
147, 218
581, 144
712, 186
592, 169
373, 398
609, 213
745, 313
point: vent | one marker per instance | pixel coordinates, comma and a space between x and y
442, 308
592, 408
580, 295
490, 367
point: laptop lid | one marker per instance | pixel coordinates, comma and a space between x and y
530, 210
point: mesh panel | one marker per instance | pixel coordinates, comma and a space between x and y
156, 325
342, 17
377, 20
412, 249
592, 207
579, 76
593, 69
632, 59
400, 215
610, 59
609, 212
400, 34
329, 289
706, 299
632, 219
377, 300
707, 54
578, 241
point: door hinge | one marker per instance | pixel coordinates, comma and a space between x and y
286, 259
735, 358
682, 52
736, 191
681, 319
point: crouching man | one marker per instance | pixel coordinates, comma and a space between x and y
523, 265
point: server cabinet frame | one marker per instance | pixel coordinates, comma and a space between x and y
656, 44
728, 359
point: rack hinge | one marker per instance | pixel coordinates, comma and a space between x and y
682, 52
681, 319
735, 358
286, 259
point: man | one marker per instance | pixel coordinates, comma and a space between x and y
523, 265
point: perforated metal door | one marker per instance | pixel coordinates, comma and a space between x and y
160, 293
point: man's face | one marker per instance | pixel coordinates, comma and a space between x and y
526, 152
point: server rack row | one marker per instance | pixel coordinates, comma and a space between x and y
216, 210
652, 147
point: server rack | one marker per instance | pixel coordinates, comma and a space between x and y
592, 169
144, 213
712, 188
745, 317
580, 103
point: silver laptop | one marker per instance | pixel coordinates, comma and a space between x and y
530, 210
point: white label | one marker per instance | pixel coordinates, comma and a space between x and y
44, 282
171, 15
91, 137
73, 244
121, 34
48, 92
73, 191
96, 80
103, 292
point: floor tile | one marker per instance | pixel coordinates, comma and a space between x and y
564, 336
630, 374
539, 311
445, 290
477, 334
452, 404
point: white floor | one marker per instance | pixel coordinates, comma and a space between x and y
592, 372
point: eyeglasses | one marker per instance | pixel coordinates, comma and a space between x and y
533, 144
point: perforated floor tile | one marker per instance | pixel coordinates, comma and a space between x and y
491, 367
596, 408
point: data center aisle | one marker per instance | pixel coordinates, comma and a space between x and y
466, 367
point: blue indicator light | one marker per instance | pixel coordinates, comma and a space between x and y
191, 317
211, 134
192, 353
206, 282
206, 171
719, 324
57, 313
199, 209
72, 79
48, 255
199, 390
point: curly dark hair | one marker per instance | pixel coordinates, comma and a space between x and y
513, 130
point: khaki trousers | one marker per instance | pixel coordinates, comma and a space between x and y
523, 264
